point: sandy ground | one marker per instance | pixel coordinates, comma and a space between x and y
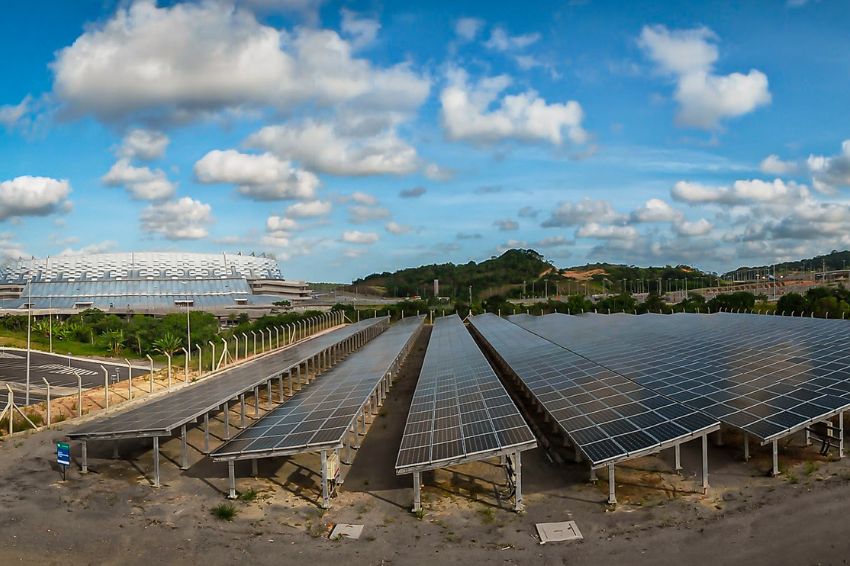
114, 516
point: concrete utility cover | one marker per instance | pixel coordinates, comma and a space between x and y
557, 532
347, 531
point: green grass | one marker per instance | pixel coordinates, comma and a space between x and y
248, 496
488, 515
810, 467
224, 512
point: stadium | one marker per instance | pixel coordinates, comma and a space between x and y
146, 282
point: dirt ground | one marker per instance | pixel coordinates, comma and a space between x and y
114, 516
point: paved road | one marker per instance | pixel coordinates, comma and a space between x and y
57, 369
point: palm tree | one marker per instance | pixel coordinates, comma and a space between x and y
167, 344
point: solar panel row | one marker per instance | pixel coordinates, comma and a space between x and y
768, 376
460, 410
160, 416
319, 416
608, 417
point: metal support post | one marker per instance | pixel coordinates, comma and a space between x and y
747, 447
718, 439
775, 447
226, 420
206, 433
841, 434
705, 463
612, 485
242, 410
231, 475
156, 461
257, 401
677, 451
184, 450
417, 492
518, 506
84, 468
254, 471
326, 500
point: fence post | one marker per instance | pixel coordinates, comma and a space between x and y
105, 387
169, 370
129, 377
49, 414
79, 394
185, 365
150, 359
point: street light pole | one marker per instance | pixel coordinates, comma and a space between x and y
29, 336
188, 330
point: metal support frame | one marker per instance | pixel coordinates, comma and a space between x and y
254, 468
84, 464
231, 475
417, 492
257, 401
775, 449
227, 420
242, 410
677, 452
326, 499
612, 486
747, 446
206, 433
156, 461
518, 506
705, 463
841, 435
184, 450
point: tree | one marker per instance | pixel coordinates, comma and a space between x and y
167, 344
791, 303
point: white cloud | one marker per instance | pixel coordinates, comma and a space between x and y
437, 173
143, 144
528, 212
773, 165
467, 29
655, 210
476, 113
184, 61
413, 192
397, 229
276, 223
96, 248
359, 214
362, 31
606, 232
259, 177
553, 242
181, 219
33, 196
500, 40
357, 237
12, 114
704, 98
686, 228
741, 192
309, 209
10, 250
829, 173
362, 198
506, 225
143, 183
586, 210
354, 253
324, 147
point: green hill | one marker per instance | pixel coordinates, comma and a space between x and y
832, 261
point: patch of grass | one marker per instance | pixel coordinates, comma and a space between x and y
420, 513
59, 418
224, 512
248, 496
810, 467
488, 515
792, 478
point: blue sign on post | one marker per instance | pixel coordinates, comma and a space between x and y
63, 454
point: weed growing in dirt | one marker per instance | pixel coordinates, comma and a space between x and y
420, 513
248, 496
224, 512
488, 515
810, 468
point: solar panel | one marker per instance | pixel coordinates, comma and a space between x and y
320, 415
598, 409
160, 416
460, 410
768, 376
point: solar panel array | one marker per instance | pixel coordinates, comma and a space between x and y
320, 415
460, 410
766, 375
610, 418
160, 416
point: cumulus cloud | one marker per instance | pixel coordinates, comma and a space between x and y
258, 177
476, 113
686, 228
606, 232
829, 173
506, 224
276, 223
357, 237
655, 210
528, 212
553, 242
569, 213
96, 248
187, 60
740, 192
12, 114
143, 183
361, 198
310, 209
413, 192
467, 29
143, 144
33, 196
468, 236
705, 98
360, 214
398, 229
500, 40
362, 31
181, 219
326, 148
773, 165
10, 250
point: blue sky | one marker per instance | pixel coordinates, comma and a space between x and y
347, 138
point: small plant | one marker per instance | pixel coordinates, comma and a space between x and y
248, 496
59, 418
224, 512
488, 515
420, 513
792, 478
810, 468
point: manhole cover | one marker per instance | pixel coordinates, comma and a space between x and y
557, 532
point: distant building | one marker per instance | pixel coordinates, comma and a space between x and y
147, 282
